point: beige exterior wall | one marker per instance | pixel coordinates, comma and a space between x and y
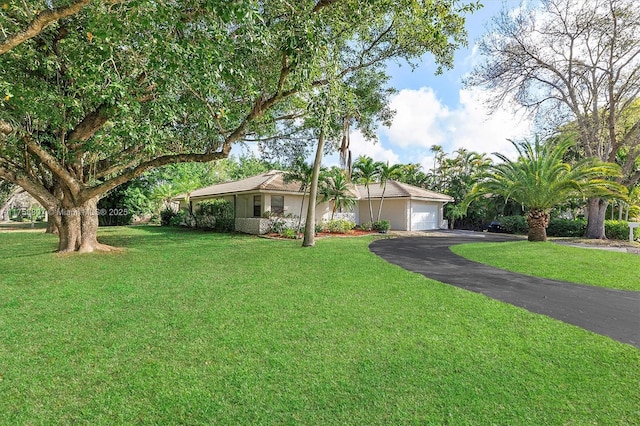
394, 210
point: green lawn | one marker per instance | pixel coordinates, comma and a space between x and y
550, 260
194, 328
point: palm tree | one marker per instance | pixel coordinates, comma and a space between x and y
412, 174
366, 172
337, 190
539, 179
387, 172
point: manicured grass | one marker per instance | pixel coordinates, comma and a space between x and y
549, 260
194, 328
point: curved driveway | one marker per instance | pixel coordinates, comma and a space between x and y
613, 313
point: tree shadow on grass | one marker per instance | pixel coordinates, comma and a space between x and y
157, 236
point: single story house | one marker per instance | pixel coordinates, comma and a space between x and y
407, 207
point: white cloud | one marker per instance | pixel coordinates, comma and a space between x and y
360, 146
422, 121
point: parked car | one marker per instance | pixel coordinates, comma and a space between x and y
496, 226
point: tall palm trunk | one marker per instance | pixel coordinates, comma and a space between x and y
370, 205
384, 188
538, 220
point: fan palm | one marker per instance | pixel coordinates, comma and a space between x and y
539, 179
336, 188
366, 172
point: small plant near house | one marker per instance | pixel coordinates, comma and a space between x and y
217, 214
338, 226
367, 226
289, 233
382, 226
181, 218
166, 215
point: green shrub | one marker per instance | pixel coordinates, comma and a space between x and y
180, 219
278, 225
288, 233
619, 230
216, 214
567, 228
514, 224
382, 225
166, 215
338, 226
367, 226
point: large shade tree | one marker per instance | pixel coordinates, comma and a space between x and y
95, 93
572, 61
539, 179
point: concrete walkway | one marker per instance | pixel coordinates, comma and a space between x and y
613, 313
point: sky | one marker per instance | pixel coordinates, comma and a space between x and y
438, 110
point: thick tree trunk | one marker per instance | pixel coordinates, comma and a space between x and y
51, 227
596, 211
77, 228
538, 221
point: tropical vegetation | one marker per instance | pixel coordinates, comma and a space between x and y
94, 94
572, 62
539, 179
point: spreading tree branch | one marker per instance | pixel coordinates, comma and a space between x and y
40, 22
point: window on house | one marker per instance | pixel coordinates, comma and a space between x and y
277, 204
257, 206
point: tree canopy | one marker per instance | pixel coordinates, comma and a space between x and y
95, 93
539, 179
572, 60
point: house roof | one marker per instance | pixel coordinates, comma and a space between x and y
395, 189
273, 180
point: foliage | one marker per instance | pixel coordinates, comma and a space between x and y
6, 189
289, 233
181, 218
118, 88
216, 214
574, 62
337, 226
382, 225
539, 179
516, 224
336, 189
187, 327
559, 227
619, 230
366, 226
166, 215
365, 172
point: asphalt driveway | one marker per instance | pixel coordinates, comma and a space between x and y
613, 313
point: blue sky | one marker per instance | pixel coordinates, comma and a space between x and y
434, 109
438, 110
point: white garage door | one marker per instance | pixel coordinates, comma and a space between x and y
424, 216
